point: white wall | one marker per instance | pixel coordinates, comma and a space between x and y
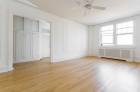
69, 38
96, 30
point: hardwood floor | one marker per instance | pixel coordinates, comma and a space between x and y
86, 74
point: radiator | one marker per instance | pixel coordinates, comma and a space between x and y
123, 54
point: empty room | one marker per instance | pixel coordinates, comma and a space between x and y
69, 46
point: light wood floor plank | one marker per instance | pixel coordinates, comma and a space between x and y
88, 74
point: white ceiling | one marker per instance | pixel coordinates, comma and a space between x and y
115, 9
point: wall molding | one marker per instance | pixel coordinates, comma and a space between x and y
56, 35
77, 27
5, 69
1, 32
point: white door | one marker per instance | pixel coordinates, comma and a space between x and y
28, 46
27, 24
35, 46
35, 25
19, 46
45, 45
18, 23
31, 25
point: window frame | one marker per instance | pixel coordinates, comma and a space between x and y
115, 34
101, 35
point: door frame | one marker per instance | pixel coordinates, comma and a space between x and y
27, 15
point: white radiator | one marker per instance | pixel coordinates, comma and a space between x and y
123, 54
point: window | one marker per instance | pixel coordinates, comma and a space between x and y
122, 34
107, 35
125, 33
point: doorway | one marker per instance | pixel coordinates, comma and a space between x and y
31, 39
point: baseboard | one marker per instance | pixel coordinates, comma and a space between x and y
4, 69
136, 59
95, 55
68, 58
28, 60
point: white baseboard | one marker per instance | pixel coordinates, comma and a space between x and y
68, 58
5, 69
136, 59
27, 60
95, 55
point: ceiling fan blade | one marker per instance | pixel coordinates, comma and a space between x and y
76, 8
91, 2
98, 7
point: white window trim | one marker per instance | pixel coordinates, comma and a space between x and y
114, 35
101, 35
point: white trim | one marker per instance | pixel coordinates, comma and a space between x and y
116, 47
27, 60
1, 32
5, 69
107, 30
69, 58
25, 14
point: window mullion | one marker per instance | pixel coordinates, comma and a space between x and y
114, 35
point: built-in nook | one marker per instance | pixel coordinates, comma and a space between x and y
31, 39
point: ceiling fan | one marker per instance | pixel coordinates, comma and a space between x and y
88, 6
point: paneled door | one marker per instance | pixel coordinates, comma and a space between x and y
28, 46
18, 23
35, 46
19, 46
31, 25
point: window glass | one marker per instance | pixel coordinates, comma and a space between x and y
125, 33
107, 35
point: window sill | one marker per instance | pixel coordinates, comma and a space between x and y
117, 47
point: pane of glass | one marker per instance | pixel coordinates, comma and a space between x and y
124, 25
45, 31
124, 30
107, 39
107, 28
111, 27
130, 24
119, 25
119, 31
126, 39
108, 32
130, 30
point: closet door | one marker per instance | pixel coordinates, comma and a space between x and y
45, 45
31, 25
35, 46
18, 23
19, 46
27, 24
35, 26
28, 46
